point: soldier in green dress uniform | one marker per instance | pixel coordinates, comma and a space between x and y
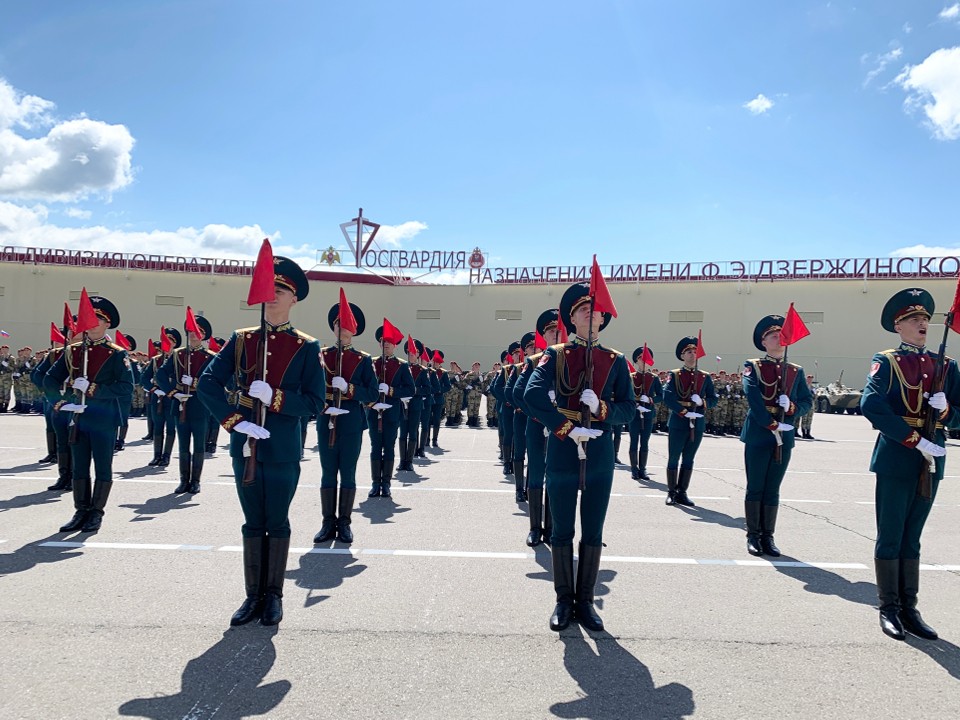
102, 380
649, 393
777, 397
178, 379
528, 346
413, 411
167, 410
289, 390
689, 391
351, 384
395, 384
439, 399
610, 401
901, 392
59, 421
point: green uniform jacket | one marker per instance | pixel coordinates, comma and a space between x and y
762, 386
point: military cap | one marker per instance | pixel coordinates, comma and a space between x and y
106, 310
438, 352
379, 334
418, 345
513, 347
175, 337
638, 353
547, 320
912, 301
573, 298
767, 324
684, 344
334, 315
205, 327
287, 274
132, 341
429, 352
220, 341
528, 339
504, 356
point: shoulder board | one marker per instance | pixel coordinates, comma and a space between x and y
73, 343
607, 349
114, 346
558, 347
360, 352
401, 360
794, 365
534, 359
210, 352
752, 361
304, 336
254, 328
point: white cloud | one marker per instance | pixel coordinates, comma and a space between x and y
907, 28
759, 105
926, 251
394, 235
75, 159
950, 13
77, 213
934, 85
880, 63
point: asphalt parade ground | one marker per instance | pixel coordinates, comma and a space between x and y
439, 610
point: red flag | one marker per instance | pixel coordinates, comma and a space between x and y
191, 324
68, 322
647, 357
390, 333
262, 287
954, 314
437, 357
563, 337
347, 321
700, 350
165, 343
602, 301
214, 345
151, 351
122, 341
411, 346
538, 341
86, 317
793, 328
630, 367
56, 335
424, 357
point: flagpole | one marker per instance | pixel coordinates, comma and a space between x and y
250, 469
383, 375
643, 382
585, 419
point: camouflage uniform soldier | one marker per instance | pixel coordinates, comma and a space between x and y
492, 419
453, 400
806, 422
738, 404
139, 393
473, 386
22, 397
662, 411
7, 368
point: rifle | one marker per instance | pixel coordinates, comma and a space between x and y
585, 418
382, 378
932, 415
259, 411
183, 403
332, 423
781, 413
72, 439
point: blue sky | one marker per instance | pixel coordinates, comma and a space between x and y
539, 131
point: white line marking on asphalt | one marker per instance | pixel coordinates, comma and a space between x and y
786, 500
11, 447
126, 546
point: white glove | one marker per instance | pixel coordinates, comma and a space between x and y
643, 410
926, 447
181, 396
81, 384
339, 383
693, 415
938, 401
16, 375
261, 391
406, 400
186, 380
582, 434
644, 398
335, 411
5, 363
697, 400
552, 395
784, 402
254, 431
783, 427
73, 407
158, 392
382, 387
590, 399
381, 406
469, 387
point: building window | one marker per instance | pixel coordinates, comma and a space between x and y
169, 300
75, 294
509, 315
814, 318
686, 316
428, 314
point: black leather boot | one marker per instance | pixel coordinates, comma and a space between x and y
616, 448
563, 585
101, 491
507, 460
277, 550
424, 441
344, 515
150, 430
751, 514
547, 518
386, 477
671, 486
909, 588
768, 525
436, 434
196, 470
644, 455
185, 467
81, 503
252, 569
167, 449
51, 455
518, 479
64, 481
376, 473
888, 593
411, 451
328, 509
157, 450
535, 497
683, 483
121, 438
588, 567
